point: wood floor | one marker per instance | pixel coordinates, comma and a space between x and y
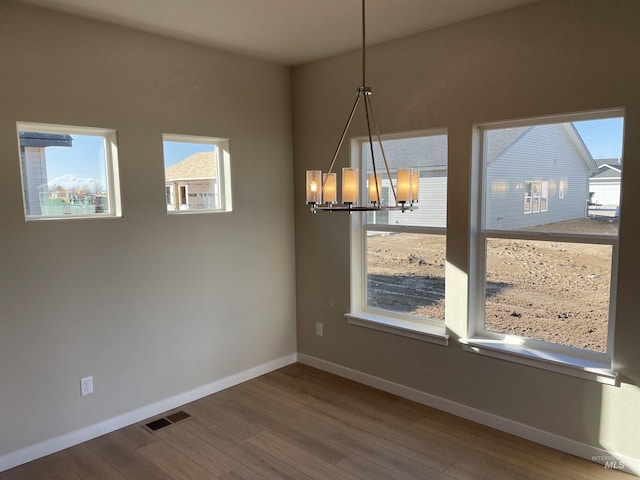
299, 423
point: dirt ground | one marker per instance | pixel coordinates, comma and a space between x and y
546, 290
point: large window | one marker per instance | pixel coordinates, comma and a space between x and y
197, 177
546, 274
398, 257
68, 172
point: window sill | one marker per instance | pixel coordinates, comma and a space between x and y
406, 328
54, 218
552, 361
196, 211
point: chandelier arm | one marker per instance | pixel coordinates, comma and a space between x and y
373, 158
384, 156
344, 134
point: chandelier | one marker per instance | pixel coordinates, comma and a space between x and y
321, 188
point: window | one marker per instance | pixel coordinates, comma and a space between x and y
528, 192
536, 195
183, 196
545, 277
197, 176
544, 197
68, 172
398, 257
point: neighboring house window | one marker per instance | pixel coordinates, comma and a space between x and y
544, 197
197, 174
536, 197
68, 172
399, 259
543, 282
528, 191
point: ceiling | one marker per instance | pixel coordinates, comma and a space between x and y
285, 31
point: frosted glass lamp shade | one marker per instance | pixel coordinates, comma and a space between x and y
349, 185
330, 189
314, 186
403, 187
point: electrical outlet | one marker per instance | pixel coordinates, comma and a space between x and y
86, 386
319, 331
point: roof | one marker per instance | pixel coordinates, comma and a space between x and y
40, 139
416, 152
611, 162
608, 171
502, 140
198, 166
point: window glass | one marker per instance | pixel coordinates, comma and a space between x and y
402, 272
556, 292
405, 273
68, 171
196, 174
427, 154
548, 268
551, 167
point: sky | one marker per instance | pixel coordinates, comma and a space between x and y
176, 151
603, 138
85, 159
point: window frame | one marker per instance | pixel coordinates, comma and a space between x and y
574, 361
222, 185
412, 326
112, 176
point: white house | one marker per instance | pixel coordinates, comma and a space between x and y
604, 185
536, 175
525, 189
192, 183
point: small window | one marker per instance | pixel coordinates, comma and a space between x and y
196, 174
68, 172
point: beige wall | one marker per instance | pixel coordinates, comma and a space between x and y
151, 305
552, 57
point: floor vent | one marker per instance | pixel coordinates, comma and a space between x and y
166, 421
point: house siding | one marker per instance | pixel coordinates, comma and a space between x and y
432, 204
606, 192
35, 165
546, 154
604, 186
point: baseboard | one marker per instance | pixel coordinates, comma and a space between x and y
70, 439
582, 450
